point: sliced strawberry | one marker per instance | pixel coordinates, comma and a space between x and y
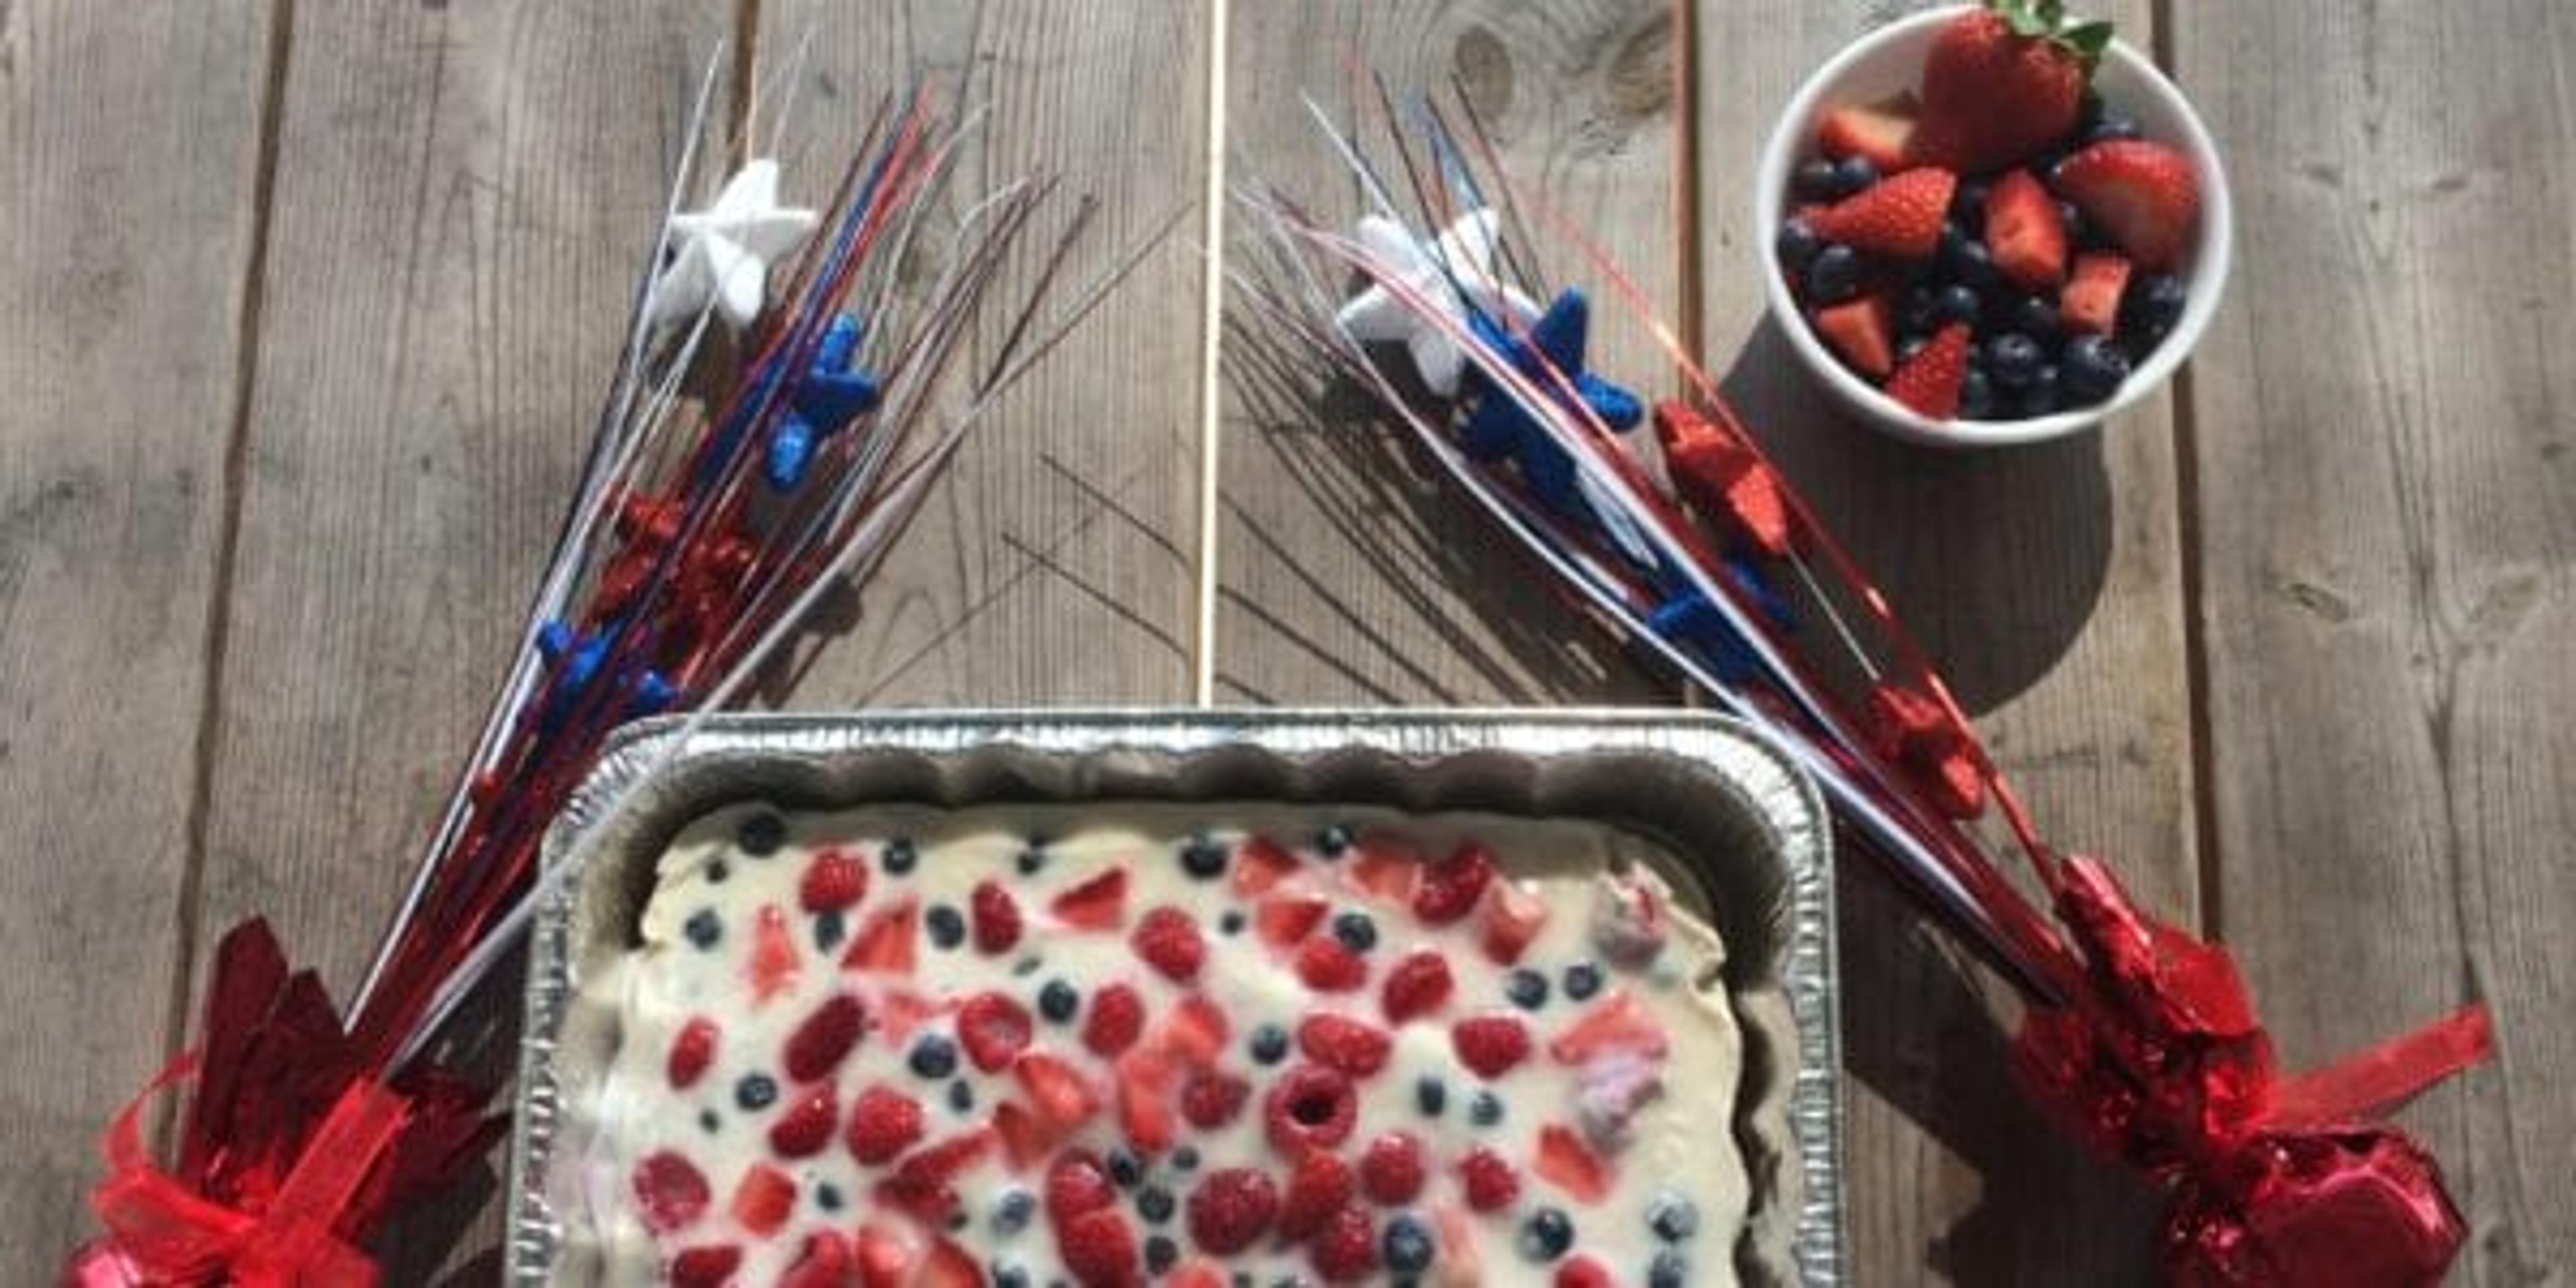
994, 1028
1210, 1100
949, 1266
835, 880
887, 942
1930, 381
712, 1266
1617, 1023
1310, 1108
1581, 1271
996, 917
1488, 1179
670, 1189
2090, 304
1490, 1044
1392, 1170
806, 1127
2025, 232
1318, 1186
1196, 1031
1284, 919
1387, 868
1566, 1163
1147, 1082
1355, 1047
828, 1261
1878, 131
1117, 1019
1345, 1250
883, 1124
1027, 1138
921, 1183
1076, 1183
1063, 1096
1231, 1209
763, 1199
2145, 195
1451, 887
1196, 1274
882, 1260
1098, 903
1329, 966
692, 1050
1862, 331
1418, 985
1460, 1266
1512, 918
1259, 864
901, 1012
1168, 940
1099, 1249
819, 1044
1899, 217
774, 958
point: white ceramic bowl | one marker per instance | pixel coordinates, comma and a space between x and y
1889, 61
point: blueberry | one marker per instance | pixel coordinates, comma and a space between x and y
1669, 1269
1976, 395
1269, 1044
1154, 1203
827, 1196
1033, 858
1956, 303
717, 871
1672, 1216
830, 928
2091, 370
1526, 988
2152, 309
1485, 1110
1968, 204
946, 926
1406, 1247
1582, 980
2112, 127
1917, 314
2039, 398
1125, 1169
2012, 359
1185, 1158
761, 834
1853, 173
1231, 922
704, 928
1356, 931
958, 1220
1970, 265
933, 1056
1333, 842
1203, 858
961, 1096
1816, 181
1796, 244
1006, 1275
1834, 275
1546, 1235
2046, 163
755, 1092
1058, 1000
899, 856
708, 1122
2033, 315
1013, 1212
1160, 1253
2079, 232
1430, 1095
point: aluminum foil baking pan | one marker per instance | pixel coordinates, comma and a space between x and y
1750, 828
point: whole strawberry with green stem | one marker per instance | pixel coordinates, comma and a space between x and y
2002, 83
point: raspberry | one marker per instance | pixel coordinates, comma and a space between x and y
1490, 1182
1338, 1041
1099, 1248
1310, 1108
1169, 941
707, 1267
764, 1199
670, 1189
1329, 966
994, 1028
1583, 1272
1117, 1019
1075, 1184
1319, 1187
883, 1124
1345, 1250
691, 1052
807, 1125
1099, 903
1417, 986
1490, 1044
1231, 1209
1211, 1100
1451, 887
997, 918
824, 1038
1391, 1169
835, 881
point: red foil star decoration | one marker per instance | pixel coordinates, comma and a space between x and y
1724, 476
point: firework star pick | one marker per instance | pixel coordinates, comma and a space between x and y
724, 252
1456, 273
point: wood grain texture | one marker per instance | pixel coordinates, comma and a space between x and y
129, 145
1345, 574
2047, 582
2387, 523
1054, 563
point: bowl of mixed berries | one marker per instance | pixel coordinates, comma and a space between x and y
1991, 224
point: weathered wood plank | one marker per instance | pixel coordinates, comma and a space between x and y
2387, 523
1055, 562
2048, 584
1343, 575
461, 195
129, 147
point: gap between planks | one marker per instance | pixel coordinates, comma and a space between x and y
1211, 332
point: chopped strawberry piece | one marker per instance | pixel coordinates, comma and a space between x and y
1168, 940
1196, 1274
764, 1198
1392, 1170
1513, 917
1099, 903
1210, 1100
807, 1125
1310, 1108
1231, 1209
1418, 985
670, 1189
1329, 966
1565, 1162
835, 880
1930, 381
774, 958
1259, 864
1283, 919
1099, 1248
1490, 1044
828, 1261
883, 1260
1076, 1183
920, 1184
996, 917
883, 1124
1615, 1023
1063, 1096
2024, 231
1117, 1019
712, 1266
1489, 1181
1876, 131
1026, 1136
1451, 887
2090, 304
1340, 1042
1863, 332
1147, 1082
692, 1050
1318, 1186
1387, 868
2146, 195
1899, 217
819, 1044
1195, 1032
1460, 1267
1345, 1250
949, 1266
901, 1011
887, 941
994, 1028
1583, 1272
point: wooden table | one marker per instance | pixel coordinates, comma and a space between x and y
308, 307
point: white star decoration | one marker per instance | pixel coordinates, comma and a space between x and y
1464, 256
725, 250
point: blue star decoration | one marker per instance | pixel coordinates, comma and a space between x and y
833, 393
580, 657
1550, 350
1688, 618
